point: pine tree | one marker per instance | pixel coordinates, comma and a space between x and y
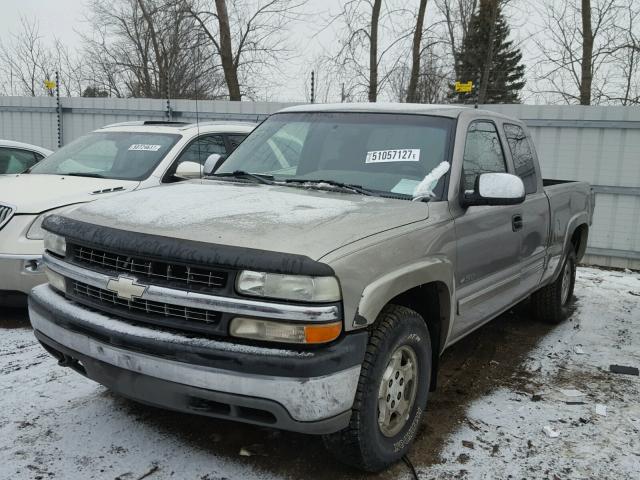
505, 72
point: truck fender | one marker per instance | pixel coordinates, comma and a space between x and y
555, 262
382, 290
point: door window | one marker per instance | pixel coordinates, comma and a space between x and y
14, 160
200, 150
482, 153
235, 139
522, 155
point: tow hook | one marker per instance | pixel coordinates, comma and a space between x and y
74, 364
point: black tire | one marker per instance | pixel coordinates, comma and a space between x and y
549, 303
362, 444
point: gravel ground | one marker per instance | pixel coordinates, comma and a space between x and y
499, 387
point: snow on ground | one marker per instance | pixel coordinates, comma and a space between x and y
482, 423
503, 436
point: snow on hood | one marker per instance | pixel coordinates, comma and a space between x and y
267, 217
33, 193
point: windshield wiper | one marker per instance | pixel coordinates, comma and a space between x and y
333, 183
260, 178
83, 174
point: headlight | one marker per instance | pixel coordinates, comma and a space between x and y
55, 243
288, 287
36, 232
284, 332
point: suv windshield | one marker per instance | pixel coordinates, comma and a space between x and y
387, 153
117, 155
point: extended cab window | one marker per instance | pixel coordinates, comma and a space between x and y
522, 155
482, 153
380, 152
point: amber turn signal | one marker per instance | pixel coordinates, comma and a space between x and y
322, 333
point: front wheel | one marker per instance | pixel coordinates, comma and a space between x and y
391, 395
551, 303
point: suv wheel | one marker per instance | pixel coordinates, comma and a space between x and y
391, 395
551, 303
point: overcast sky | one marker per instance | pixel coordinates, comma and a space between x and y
64, 19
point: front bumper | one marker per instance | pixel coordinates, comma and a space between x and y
305, 391
20, 273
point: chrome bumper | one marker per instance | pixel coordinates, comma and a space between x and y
305, 399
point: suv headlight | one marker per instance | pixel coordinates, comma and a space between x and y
36, 231
288, 287
55, 243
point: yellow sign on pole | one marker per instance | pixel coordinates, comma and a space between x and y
464, 87
50, 84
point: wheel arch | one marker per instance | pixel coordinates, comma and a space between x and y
427, 288
579, 238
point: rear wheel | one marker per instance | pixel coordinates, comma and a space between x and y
391, 395
551, 303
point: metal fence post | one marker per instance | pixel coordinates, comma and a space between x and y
58, 109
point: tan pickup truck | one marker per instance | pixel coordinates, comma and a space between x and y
312, 282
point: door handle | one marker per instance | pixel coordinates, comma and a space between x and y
516, 222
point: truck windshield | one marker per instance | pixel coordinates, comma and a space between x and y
385, 153
117, 155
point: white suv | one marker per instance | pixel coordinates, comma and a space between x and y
111, 160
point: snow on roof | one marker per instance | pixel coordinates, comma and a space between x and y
181, 127
381, 107
26, 146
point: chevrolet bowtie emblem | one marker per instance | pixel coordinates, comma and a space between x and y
126, 287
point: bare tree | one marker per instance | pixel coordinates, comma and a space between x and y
375, 31
25, 60
248, 36
416, 52
587, 54
627, 65
434, 77
149, 49
456, 17
578, 65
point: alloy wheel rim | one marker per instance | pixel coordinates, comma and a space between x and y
397, 391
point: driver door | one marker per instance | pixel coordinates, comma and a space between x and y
487, 247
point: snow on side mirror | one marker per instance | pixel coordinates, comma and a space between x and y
496, 189
189, 170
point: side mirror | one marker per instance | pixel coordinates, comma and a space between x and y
189, 170
495, 189
213, 163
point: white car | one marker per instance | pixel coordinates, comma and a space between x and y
17, 157
111, 160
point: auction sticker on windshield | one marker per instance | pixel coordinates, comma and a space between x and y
143, 147
398, 155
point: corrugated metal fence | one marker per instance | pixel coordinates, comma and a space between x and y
600, 145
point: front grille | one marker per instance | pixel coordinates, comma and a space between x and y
6, 212
148, 310
183, 276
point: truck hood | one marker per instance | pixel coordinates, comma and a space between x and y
33, 193
301, 221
